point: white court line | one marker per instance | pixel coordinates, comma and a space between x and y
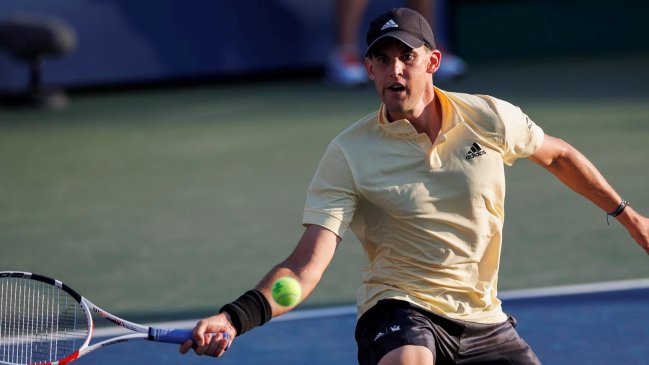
346, 310
602, 287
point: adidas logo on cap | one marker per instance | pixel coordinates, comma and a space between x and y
389, 24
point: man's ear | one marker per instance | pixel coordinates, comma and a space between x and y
368, 67
434, 61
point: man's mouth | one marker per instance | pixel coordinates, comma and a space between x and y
397, 87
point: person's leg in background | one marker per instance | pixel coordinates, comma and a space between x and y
345, 65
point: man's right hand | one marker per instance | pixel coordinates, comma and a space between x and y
212, 336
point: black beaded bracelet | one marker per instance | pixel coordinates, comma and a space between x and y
617, 211
251, 310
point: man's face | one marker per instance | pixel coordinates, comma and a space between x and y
402, 75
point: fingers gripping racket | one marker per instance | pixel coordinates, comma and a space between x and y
43, 321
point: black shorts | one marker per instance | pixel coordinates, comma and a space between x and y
391, 324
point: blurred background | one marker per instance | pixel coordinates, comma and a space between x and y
155, 156
122, 42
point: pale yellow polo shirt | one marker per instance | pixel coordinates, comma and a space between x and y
429, 216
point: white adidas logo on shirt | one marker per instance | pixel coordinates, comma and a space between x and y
390, 24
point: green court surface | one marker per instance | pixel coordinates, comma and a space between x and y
170, 202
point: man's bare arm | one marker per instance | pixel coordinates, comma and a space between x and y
579, 174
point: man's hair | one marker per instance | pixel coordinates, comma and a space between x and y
427, 47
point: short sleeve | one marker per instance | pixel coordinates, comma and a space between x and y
522, 137
332, 197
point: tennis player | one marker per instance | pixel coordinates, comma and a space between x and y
421, 184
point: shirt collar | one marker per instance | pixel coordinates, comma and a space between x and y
402, 127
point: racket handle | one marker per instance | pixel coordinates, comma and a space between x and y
169, 335
174, 336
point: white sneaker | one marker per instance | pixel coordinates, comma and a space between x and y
344, 68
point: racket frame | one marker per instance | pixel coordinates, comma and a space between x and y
156, 334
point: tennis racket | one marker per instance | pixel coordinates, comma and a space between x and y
43, 321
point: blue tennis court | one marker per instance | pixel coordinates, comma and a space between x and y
603, 323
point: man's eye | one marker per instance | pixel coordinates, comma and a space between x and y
408, 57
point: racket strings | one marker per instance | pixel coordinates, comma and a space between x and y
39, 323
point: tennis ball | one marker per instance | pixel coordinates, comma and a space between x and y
286, 291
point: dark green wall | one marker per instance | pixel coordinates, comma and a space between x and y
490, 30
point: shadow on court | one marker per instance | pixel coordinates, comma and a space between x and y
606, 326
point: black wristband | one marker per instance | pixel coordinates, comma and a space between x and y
251, 310
618, 210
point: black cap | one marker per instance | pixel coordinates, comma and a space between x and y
406, 25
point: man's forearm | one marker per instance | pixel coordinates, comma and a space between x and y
580, 175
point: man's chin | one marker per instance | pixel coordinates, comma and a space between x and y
395, 108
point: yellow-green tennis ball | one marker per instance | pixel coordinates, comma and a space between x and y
286, 291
